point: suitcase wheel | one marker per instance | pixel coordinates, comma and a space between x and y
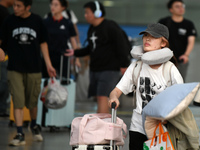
53, 129
69, 127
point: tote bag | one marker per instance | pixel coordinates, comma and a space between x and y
160, 141
93, 129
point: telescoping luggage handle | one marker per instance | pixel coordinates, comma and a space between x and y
67, 81
113, 120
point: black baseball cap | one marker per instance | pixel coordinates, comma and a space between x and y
157, 30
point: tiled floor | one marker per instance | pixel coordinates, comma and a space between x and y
59, 140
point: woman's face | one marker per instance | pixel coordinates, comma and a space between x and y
151, 43
56, 7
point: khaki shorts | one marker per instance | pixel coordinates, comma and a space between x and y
24, 88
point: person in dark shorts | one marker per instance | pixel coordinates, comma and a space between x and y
108, 53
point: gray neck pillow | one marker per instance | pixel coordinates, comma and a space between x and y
153, 57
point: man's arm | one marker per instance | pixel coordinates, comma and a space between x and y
122, 50
185, 56
73, 42
2, 54
44, 48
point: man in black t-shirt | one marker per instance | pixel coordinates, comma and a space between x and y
4, 91
182, 34
108, 53
25, 36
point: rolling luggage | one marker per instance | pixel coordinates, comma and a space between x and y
55, 118
98, 132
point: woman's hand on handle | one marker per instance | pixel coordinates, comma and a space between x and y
114, 97
116, 101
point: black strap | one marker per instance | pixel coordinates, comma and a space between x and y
44, 109
67, 11
69, 14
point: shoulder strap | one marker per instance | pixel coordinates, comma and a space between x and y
136, 71
167, 72
49, 14
69, 14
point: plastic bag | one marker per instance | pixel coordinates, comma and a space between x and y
54, 95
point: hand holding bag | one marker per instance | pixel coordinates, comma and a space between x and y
161, 141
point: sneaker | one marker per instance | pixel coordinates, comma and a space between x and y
36, 134
18, 140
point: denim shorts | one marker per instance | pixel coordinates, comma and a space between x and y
103, 82
24, 88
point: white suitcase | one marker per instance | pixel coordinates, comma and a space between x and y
58, 117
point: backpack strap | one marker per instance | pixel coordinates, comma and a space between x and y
69, 14
166, 72
167, 66
136, 72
